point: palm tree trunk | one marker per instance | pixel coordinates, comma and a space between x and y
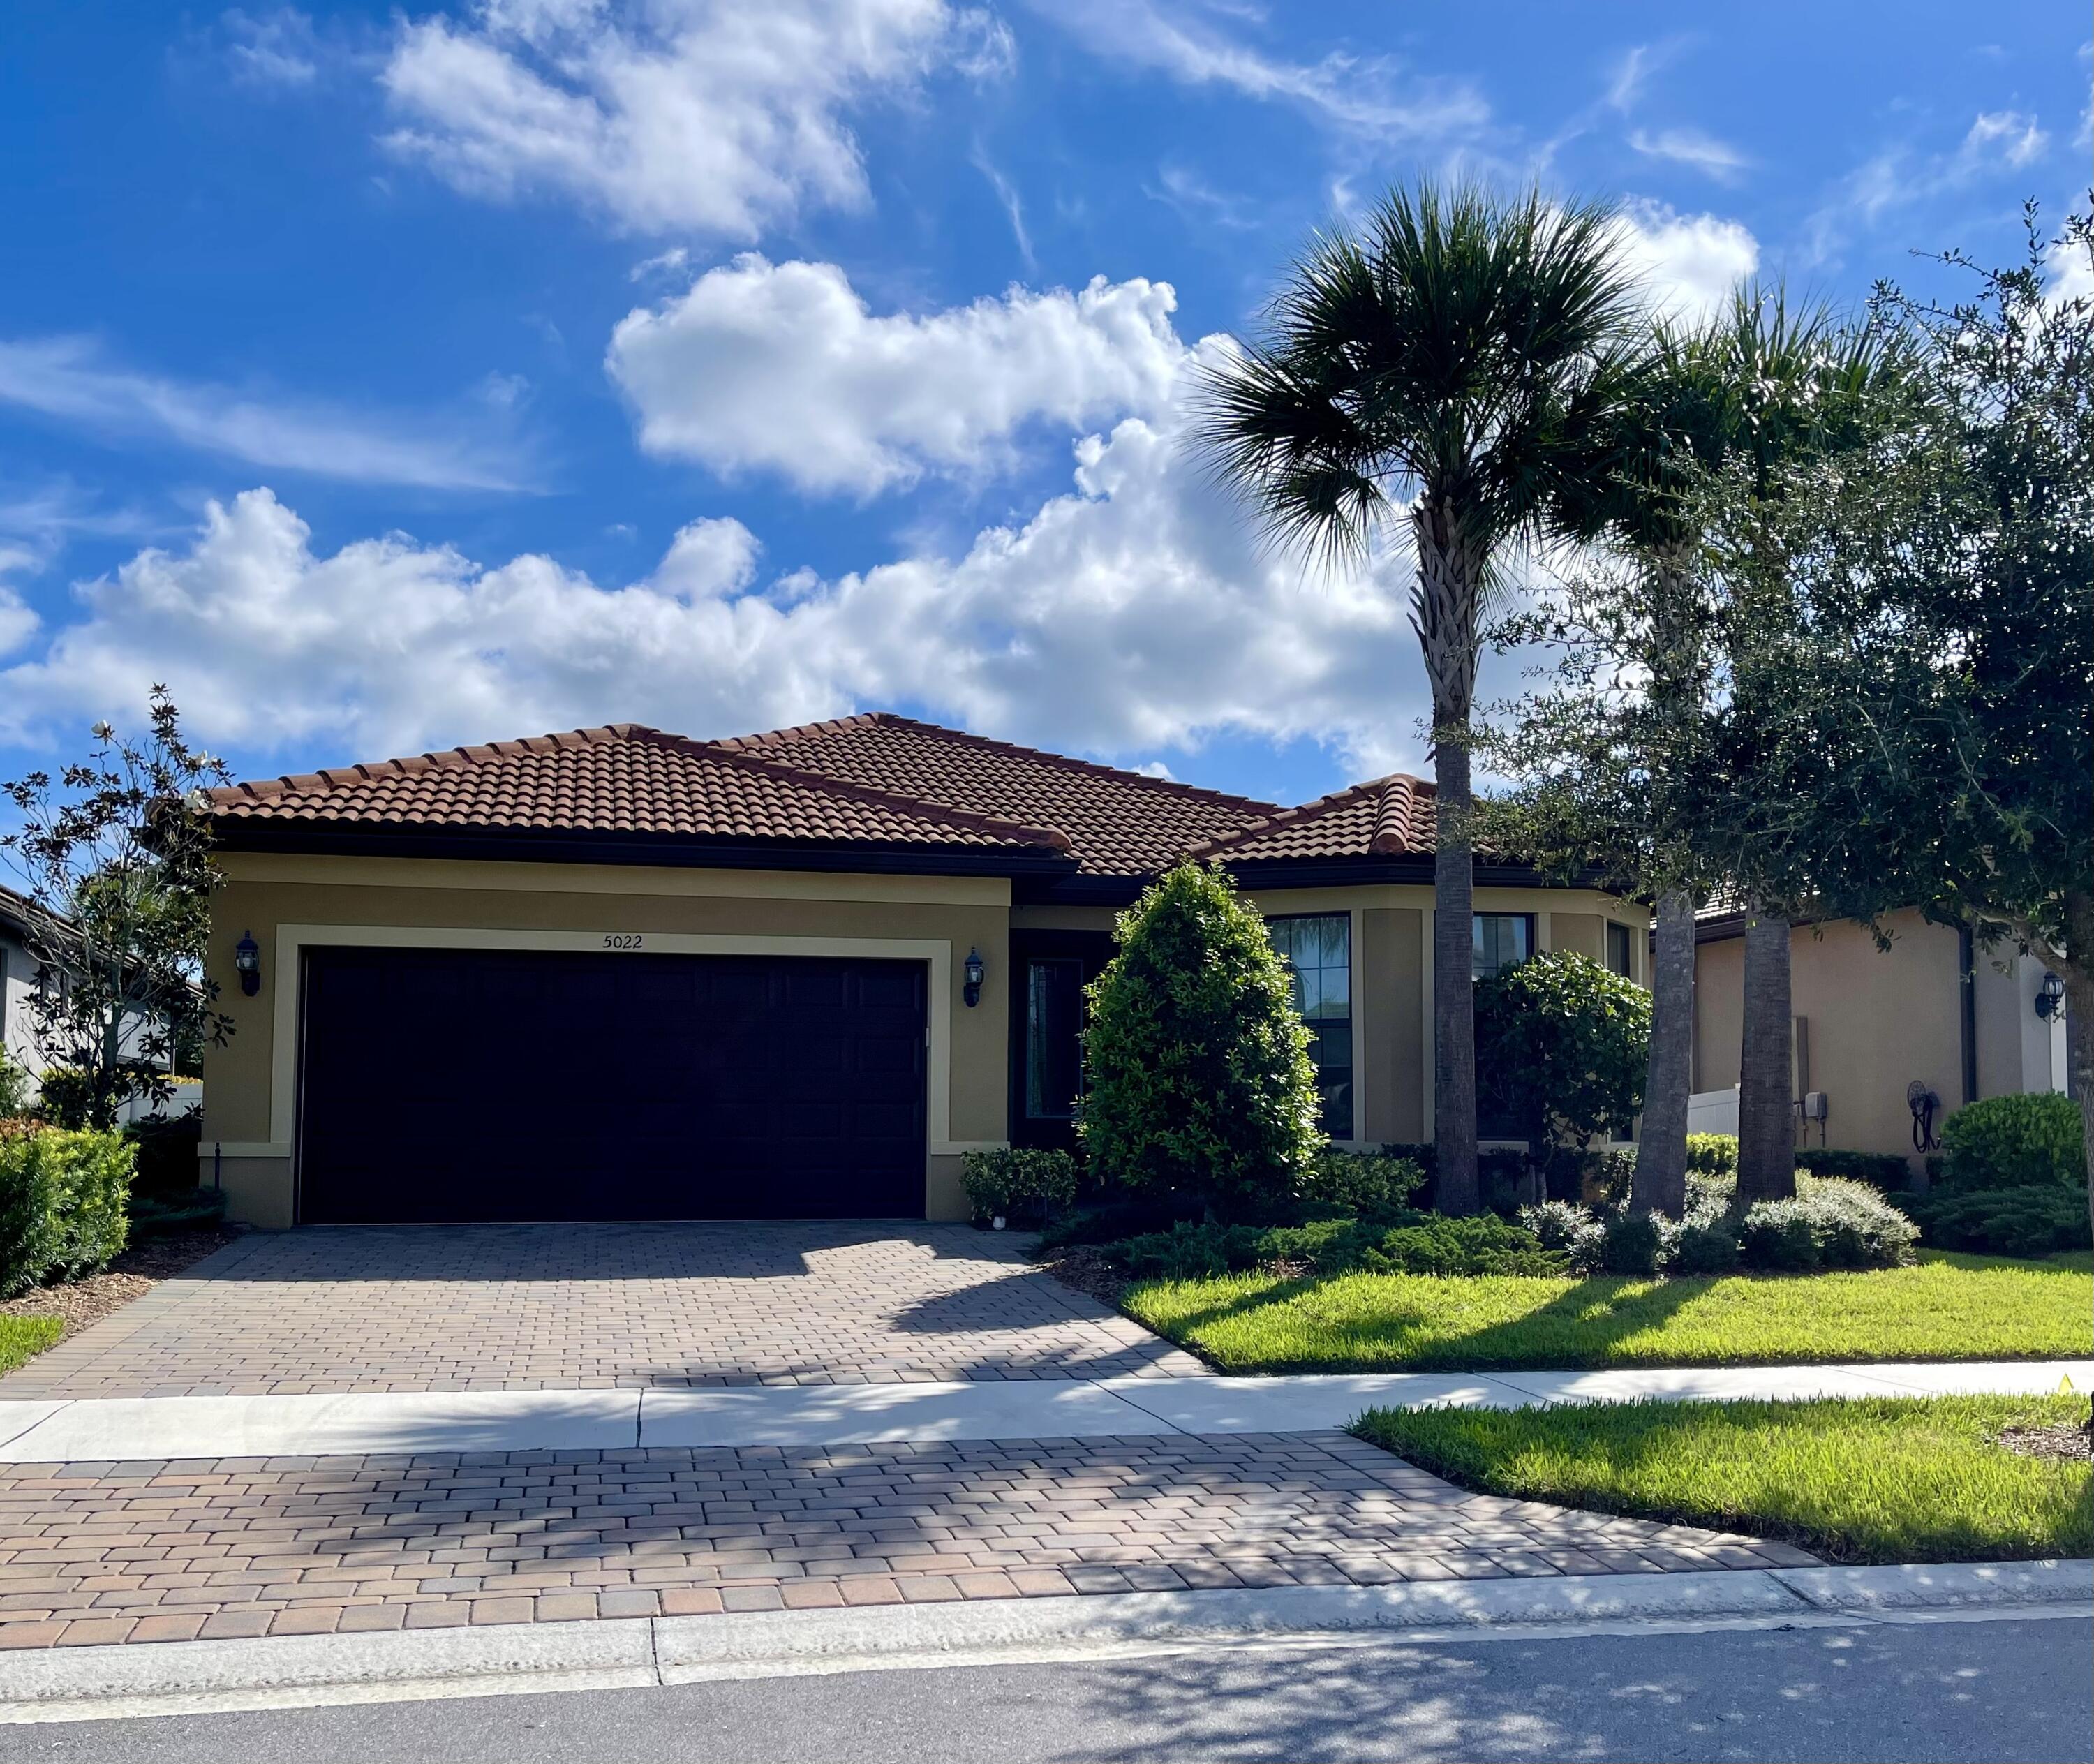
1459, 1188
1766, 1074
1660, 1169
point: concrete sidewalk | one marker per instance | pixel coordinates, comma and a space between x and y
119, 1429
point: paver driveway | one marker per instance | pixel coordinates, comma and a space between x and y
236, 1547
516, 1307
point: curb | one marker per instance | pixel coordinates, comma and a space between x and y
196, 1677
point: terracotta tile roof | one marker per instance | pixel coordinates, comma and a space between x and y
1117, 822
1389, 817
623, 779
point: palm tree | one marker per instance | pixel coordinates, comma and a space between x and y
1455, 359
1677, 422
1805, 385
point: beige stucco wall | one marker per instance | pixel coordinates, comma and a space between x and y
1877, 1020
250, 1112
287, 901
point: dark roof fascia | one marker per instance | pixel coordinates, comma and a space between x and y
529, 846
1079, 890
1348, 872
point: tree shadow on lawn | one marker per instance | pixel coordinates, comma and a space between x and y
1576, 1329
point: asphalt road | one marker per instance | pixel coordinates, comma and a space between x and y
2007, 1689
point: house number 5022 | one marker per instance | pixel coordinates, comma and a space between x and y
621, 940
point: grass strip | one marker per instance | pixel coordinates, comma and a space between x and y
1891, 1479
1948, 1307
23, 1338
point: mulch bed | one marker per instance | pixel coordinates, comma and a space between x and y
2065, 1441
1089, 1270
132, 1274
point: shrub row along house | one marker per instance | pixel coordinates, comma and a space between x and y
621, 974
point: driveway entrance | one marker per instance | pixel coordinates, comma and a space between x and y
523, 1307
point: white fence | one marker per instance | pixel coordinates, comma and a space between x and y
1714, 1111
186, 1096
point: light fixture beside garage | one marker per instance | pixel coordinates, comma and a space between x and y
247, 963
973, 970
2049, 997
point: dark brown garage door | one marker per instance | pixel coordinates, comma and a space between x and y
457, 1084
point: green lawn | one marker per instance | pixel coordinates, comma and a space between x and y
1949, 1307
1895, 1479
23, 1338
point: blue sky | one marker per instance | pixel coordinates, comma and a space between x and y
384, 379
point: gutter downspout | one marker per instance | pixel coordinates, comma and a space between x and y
1966, 978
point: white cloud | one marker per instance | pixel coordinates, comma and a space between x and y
68, 378
713, 115
280, 48
2004, 135
1376, 98
1996, 142
1137, 613
1690, 147
783, 368
18, 620
1693, 261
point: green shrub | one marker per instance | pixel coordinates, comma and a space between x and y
167, 1151
1605, 1175
1197, 1075
1572, 1230
1776, 1237
65, 1095
2032, 1220
1482, 1244
2010, 1142
1881, 1170
1831, 1223
1018, 1181
1632, 1242
1712, 1154
62, 1204
1562, 1046
1421, 1243
1363, 1182
1705, 1248
14, 1087
152, 1217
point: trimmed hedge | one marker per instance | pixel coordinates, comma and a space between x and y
1712, 1154
1881, 1170
63, 1195
2013, 1142
1832, 1223
1018, 1181
1363, 1182
2032, 1220
1418, 1243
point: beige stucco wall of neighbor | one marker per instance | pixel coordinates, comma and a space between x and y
1876, 1019
286, 902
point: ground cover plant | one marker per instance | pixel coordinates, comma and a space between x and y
1945, 1307
1888, 1480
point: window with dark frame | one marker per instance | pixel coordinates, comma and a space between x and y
1619, 958
1319, 949
1500, 941
1054, 1038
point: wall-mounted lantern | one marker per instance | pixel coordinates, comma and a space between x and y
2049, 997
247, 963
972, 971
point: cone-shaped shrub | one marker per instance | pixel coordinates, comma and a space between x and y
1197, 1068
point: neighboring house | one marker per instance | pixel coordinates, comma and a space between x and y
18, 983
1933, 1010
620, 973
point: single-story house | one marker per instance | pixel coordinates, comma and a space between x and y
619, 973
1936, 1016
